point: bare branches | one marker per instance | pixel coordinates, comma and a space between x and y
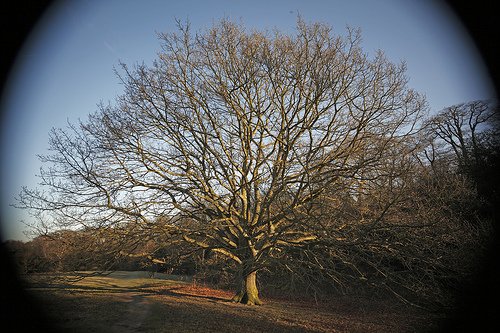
232, 138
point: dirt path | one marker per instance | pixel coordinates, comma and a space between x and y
137, 311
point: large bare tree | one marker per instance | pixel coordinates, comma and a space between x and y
229, 140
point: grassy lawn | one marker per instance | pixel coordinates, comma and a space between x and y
92, 304
198, 309
134, 302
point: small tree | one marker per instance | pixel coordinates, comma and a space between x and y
230, 139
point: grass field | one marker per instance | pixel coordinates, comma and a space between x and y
135, 302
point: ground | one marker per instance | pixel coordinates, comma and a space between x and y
135, 302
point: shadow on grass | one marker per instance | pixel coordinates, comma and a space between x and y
111, 282
98, 303
178, 292
181, 312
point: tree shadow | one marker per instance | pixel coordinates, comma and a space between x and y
176, 292
76, 282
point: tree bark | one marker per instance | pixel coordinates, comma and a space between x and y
247, 289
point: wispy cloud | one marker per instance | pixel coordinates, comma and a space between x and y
110, 47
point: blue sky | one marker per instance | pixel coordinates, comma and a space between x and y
66, 65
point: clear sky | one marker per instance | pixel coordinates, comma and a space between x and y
66, 65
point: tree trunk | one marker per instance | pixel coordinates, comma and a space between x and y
247, 289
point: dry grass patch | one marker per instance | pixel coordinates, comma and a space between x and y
93, 304
128, 302
77, 311
202, 309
